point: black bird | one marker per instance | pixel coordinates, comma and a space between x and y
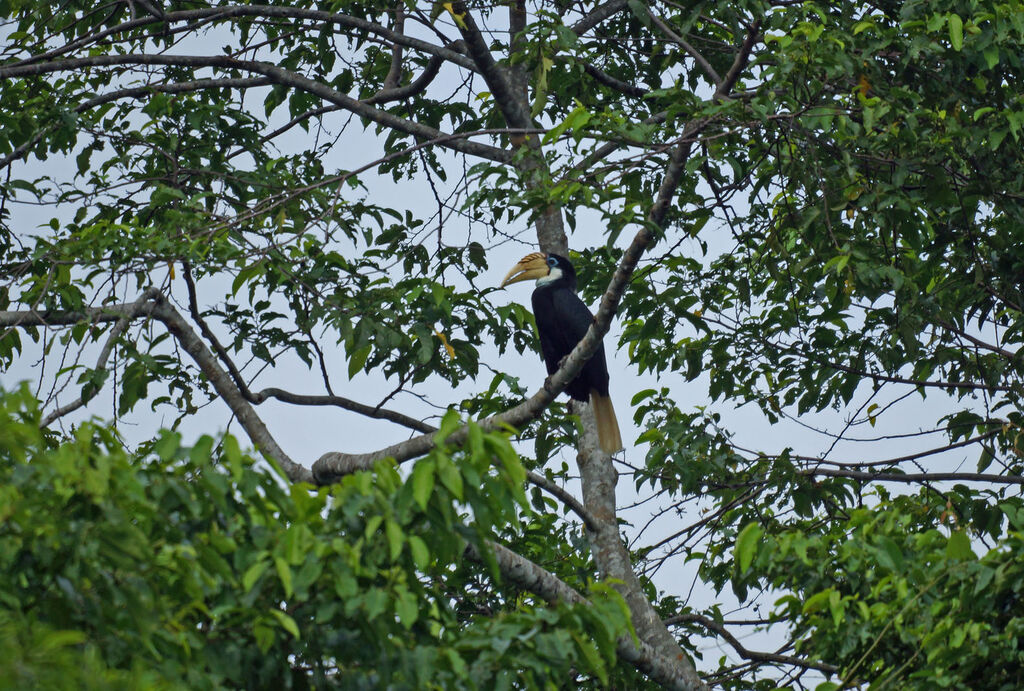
562, 321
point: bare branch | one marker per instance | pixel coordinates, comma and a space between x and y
682, 43
394, 74
347, 404
286, 396
961, 385
912, 478
397, 93
599, 15
211, 338
134, 310
712, 625
739, 63
613, 83
976, 341
565, 497
903, 459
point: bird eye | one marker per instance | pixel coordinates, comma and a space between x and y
552, 261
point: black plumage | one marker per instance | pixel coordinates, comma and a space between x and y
562, 321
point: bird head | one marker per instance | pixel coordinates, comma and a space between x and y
544, 267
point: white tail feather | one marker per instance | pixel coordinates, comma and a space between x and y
607, 426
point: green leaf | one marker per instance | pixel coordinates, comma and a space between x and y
200, 452
286, 622
592, 656
233, 455
423, 482
746, 545
253, 573
396, 538
420, 552
284, 572
62, 639
959, 546
449, 423
639, 10
956, 32
357, 360
541, 85
450, 478
817, 602
407, 608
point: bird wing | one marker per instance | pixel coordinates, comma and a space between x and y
579, 319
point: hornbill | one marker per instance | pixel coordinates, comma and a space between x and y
562, 320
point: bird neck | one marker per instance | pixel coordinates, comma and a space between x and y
557, 279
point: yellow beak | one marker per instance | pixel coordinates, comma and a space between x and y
533, 265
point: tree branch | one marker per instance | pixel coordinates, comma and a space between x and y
225, 387
418, 85
156, 305
613, 83
278, 76
682, 43
527, 575
753, 655
509, 92
394, 75
345, 403
903, 459
565, 497
597, 473
134, 310
234, 12
922, 383
513, 109
912, 478
599, 15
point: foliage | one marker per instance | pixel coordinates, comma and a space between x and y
842, 254
208, 571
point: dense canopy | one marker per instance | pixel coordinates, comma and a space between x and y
802, 222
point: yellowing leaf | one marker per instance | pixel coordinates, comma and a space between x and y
863, 86
447, 346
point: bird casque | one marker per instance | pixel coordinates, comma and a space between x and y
562, 321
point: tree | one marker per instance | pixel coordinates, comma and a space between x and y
805, 207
